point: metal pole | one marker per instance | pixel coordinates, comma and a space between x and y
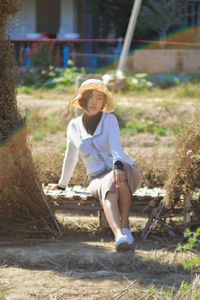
129, 33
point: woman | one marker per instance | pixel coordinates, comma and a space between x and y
113, 176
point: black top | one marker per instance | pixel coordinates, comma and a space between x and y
91, 123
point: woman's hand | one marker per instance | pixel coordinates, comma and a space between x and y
119, 177
52, 186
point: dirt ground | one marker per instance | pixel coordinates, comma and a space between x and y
83, 264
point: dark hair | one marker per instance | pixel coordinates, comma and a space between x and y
83, 101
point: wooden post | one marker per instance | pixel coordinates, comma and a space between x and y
187, 206
129, 34
103, 224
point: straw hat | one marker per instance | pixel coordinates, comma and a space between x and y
94, 84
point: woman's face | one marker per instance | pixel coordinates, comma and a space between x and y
95, 103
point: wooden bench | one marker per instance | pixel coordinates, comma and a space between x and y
145, 201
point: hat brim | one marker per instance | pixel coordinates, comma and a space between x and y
108, 107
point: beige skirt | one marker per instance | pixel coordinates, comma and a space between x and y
104, 182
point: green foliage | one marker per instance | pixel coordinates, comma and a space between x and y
168, 293
142, 126
191, 243
188, 90
111, 15
139, 82
22, 89
184, 288
192, 240
166, 81
151, 292
28, 77
2, 297
38, 136
192, 264
163, 15
196, 194
50, 77
155, 17
63, 147
40, 55
63, 77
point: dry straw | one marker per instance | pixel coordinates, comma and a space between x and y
23, 205
184, 175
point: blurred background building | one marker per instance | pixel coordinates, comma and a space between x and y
75, 27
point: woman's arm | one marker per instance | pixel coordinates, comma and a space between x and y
70, 160
114, 139
116, 150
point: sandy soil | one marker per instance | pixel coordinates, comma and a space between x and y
85, 265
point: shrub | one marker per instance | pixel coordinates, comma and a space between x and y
137, 82
40, 57
50, 77
184, 174
167, 80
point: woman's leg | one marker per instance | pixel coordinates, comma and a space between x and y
111, 209
125, 197
124, 204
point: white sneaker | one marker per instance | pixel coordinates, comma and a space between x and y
122, 243
128, 233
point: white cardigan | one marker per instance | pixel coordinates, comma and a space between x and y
98, 151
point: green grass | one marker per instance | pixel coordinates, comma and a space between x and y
143, 126
38, 136
22, 89
40, 125
2, 297
183, 90
144, 111
63, 147
59, 89
187, 90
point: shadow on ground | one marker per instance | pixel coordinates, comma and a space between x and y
91, 256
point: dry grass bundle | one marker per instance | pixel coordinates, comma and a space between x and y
23, 206
184, 175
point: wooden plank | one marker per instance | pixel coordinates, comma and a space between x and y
75, 206
80, 195
103, 223
187, 208
61, 200
77, 198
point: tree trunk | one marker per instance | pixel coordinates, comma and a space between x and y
23, 205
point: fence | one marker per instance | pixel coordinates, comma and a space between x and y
83, 52
88, 53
